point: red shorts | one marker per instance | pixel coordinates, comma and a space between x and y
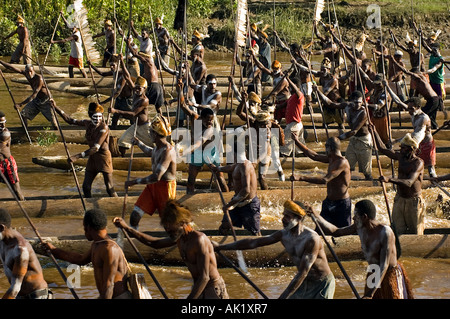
76, 62
155, 196
9, 168
428, 153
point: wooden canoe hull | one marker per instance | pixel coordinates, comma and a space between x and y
144, 163
346, 248
197, 203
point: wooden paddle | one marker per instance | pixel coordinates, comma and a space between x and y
37, 234
53, 35
145, 263
239, 254
41, 69
355, 292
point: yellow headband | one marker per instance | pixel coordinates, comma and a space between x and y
408, 140
253, 97
161, 126
294, 208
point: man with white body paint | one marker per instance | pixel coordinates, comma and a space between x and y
20, 264
97, 136
161, 184
314, 279
386, 277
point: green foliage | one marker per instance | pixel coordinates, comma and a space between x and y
293, 21
46, 138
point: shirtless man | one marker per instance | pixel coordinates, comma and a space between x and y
378, 246
110, 38
39, 100
195, 249
422, 86
330, 88
329, 49
299, 56
422, 130
8, 164
23, 49
139, 112
108, 260
161, 185
412, 48
359, 150
281, 90
408, 212
198, 72
244, 207
314, 279
100, 159
76, 48
122, 94
337, 206
154, 92
20, 264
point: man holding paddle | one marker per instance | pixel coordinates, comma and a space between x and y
378, 245
337, 206
195, 248
314, 279
244, 207
39, 100
161, 185
108, 260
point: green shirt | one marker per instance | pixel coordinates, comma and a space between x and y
436, 77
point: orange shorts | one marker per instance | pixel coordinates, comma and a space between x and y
155, 196
76, 62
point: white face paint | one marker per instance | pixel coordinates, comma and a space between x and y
291, 224
96, 118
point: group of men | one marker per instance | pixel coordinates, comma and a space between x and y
370, 95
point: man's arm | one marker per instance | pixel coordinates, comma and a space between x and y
329, 228
203, 260
146, 239
380, 145
309, 153
410, 180
71, 257
12, 67
251, 243
245, 190
361, 119
308, 258
19, 270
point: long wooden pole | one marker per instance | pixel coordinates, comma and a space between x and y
355, 292
53, 34
240, 257
59, 126
37, 233
18, 112
158, 57
136, 250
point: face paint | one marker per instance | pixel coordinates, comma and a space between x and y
96, 118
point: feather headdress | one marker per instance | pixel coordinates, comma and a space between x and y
320, 6
83, 25
241, 23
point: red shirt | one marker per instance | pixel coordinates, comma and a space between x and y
294, 108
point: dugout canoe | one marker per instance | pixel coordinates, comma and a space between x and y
434, 244
144, 163
198, 203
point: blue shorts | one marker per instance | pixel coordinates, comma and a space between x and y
337, 212
247, 216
